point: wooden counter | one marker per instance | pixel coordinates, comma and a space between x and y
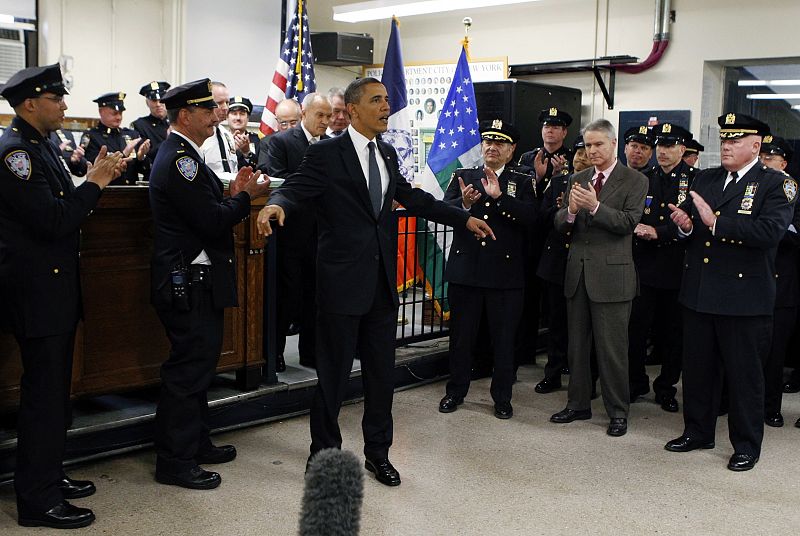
121, 344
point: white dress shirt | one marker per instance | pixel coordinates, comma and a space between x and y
311, 139
362, 150
211, 153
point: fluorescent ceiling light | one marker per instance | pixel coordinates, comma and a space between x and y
752, 83
8, 19
773, 96
796, 107
386, 9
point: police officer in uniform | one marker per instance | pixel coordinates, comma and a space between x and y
154, 126
776, 154
247, 143
658, 256
193, 280
486, 274
692, 154
639, 148
551, 268
73, 154
41, 211
554, 157
125, 140
734, 217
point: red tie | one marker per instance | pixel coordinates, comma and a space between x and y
598, 183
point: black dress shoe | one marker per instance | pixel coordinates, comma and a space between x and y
449, 404
75, 489
617, 427
548, 386
774, 419
742, 462
385, 473
685, 443
212, 455
194, 478
503, 410
636, 393
792, 386
568, 415
61, 516
280, 364
668, 403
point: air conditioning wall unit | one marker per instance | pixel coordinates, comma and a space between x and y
12, 53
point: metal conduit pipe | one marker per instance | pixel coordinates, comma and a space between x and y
661, 25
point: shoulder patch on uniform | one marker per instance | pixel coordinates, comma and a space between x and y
187, 166
790, 189
19, 163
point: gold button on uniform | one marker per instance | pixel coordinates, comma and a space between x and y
483, 243
705, 260
55, 270
485, 216
661, 218
717, 213
740, 275
708, 244
487, 203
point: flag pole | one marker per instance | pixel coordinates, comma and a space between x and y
465, 42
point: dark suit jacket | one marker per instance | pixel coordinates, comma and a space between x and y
191, 215
601, 244
491, 263
40, 216
732, 272
353, 246
263, 153
787, 264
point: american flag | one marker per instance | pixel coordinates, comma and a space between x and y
294, 72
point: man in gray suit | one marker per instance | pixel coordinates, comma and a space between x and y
605, 202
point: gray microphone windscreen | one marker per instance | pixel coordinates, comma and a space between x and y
334, 491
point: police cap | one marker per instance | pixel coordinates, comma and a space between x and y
499, 130
155, 90
640, 134
240, 102
671, 134
555, 117
32, 82
115, 101
733, 125
197, 93
694, 146
777, 145
578, 143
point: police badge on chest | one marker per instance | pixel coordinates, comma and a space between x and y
511, 191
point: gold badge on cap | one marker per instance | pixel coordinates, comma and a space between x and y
642, 129
237, 99
121, 95
497, 123
730, 119
767, 139
153, 85
209, 86
667, 128
553, 112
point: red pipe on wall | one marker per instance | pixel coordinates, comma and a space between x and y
655, 56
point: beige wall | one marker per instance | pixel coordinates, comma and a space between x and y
119, 44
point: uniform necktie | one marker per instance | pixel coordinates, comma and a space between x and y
734, 178
598, 183
222, 152
375, 188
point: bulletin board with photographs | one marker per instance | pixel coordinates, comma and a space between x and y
427, 85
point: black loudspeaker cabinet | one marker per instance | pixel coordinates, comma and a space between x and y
520, 102
339, 49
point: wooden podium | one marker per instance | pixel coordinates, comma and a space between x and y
121, 344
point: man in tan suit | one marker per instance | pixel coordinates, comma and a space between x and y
605, 202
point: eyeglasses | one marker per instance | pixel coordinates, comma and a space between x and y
290, 123
58, 99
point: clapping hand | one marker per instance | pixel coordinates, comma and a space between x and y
469, 195
491, 184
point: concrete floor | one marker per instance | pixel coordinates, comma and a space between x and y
468, 473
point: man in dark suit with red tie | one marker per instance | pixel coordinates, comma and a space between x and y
352, 179
734, 219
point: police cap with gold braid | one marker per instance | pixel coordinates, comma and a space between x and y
499, 130
733, 125
555, 117
197, 93
114, 100
777, 145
